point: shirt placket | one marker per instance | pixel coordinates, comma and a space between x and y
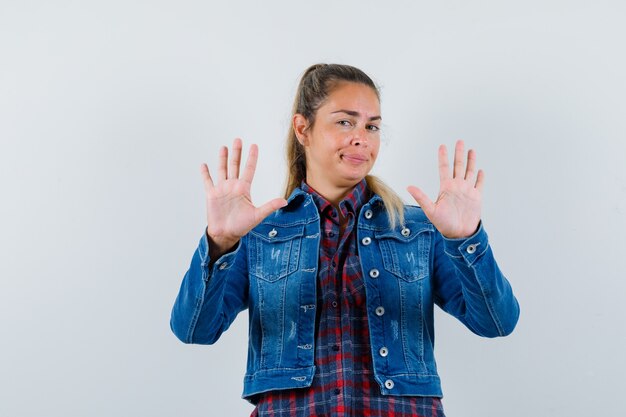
347, 308
333, 309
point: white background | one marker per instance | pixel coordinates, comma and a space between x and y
107, 109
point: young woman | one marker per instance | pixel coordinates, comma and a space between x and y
340, 278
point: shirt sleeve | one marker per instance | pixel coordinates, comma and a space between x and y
211, 294
469, 285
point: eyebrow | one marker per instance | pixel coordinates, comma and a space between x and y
356, 114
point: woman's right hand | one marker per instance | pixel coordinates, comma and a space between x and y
230, 212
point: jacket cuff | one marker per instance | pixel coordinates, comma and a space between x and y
222, 262
469, 248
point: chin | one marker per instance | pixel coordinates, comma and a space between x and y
360, 173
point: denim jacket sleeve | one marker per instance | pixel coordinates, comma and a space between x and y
469, 285
211, 295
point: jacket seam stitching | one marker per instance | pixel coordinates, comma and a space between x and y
488, 302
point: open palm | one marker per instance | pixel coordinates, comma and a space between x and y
230, 211
456, 212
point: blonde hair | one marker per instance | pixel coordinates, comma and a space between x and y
317, 82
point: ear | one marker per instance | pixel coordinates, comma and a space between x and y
300, 125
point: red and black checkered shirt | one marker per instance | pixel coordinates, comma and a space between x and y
344, 383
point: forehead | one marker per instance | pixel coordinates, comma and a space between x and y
354, 97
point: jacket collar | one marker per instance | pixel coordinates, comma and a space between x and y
298, 196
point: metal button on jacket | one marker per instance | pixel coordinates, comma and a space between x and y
366, 240
380, 311
389, 384
383, 351
406, 232
272, 233
224, 265
374, 273
471, 248
369, 214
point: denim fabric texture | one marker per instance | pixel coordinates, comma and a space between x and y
273, 271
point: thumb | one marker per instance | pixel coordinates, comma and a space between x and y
268, 208
422, 199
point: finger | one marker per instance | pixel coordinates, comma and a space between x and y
444, 168
248, 170
458, 159
422, 199
471, 164
222, 171
268, 208
206, 178
235, 159
480, 180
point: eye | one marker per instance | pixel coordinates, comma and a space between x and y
373, 128
344, 123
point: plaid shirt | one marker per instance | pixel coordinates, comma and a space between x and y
344, 383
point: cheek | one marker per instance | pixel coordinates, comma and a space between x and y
375, 149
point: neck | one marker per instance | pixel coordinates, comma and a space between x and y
331, 192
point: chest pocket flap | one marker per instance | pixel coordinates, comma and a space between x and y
273, 251
406, 250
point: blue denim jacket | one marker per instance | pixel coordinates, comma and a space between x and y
273, 271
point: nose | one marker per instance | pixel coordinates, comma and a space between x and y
359, 138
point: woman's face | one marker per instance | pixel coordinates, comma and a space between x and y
343, 143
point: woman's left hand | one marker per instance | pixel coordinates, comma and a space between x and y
456, 213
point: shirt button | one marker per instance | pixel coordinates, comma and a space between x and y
383, 351
224, 265
334, 304
471, 248
374, 273
406, 232
389, 384
272, 233
336, 348
366, 241
333, 264
330, 234
337, 391
368, 214
380, 311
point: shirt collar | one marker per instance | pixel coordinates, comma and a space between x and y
351, 203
